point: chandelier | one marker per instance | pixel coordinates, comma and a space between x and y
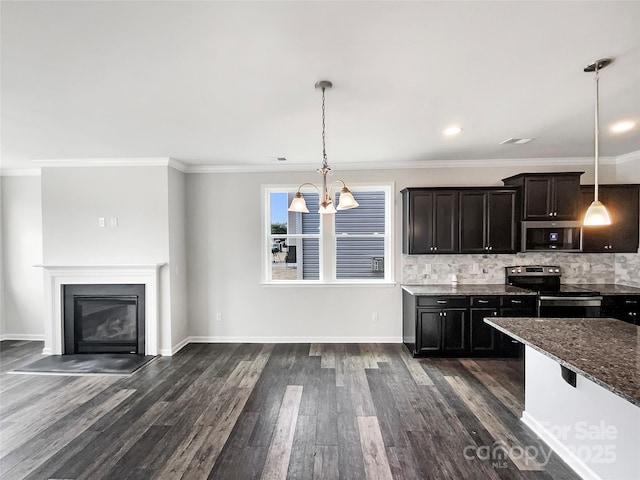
346, 201
597, 213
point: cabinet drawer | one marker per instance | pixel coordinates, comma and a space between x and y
622, 301
444, 302
520, 302
485, 302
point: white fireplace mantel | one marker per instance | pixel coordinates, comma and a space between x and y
55, 276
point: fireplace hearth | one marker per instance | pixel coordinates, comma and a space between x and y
104, 318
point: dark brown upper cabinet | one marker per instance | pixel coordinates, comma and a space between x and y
430, 221
488, 221
623, 204
548, 196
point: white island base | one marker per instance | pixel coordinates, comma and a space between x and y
596, 432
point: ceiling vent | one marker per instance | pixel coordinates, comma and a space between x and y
518, 141
282, 159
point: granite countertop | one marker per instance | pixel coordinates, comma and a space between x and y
467, 289
603, 350
609, 288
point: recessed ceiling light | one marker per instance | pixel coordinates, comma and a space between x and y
517, 141
624, 126
453, 130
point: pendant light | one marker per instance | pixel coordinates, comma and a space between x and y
347, 201
597, 213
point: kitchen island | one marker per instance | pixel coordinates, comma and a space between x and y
582, 390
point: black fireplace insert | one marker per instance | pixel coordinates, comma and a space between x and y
104, 318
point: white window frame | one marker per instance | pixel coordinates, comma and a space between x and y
327, 240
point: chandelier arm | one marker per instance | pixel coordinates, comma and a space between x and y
311, 185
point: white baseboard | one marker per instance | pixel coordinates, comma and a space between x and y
577, 465
26, 337
217, 339
165, 352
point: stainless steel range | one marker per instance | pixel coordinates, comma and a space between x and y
554, 298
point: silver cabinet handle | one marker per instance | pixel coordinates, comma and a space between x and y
631, 302
444, 313
483, 301
441, 301
517, 302
435, 248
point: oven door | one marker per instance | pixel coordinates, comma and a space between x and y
569, 307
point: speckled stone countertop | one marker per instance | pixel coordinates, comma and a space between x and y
609, 288
603, 350
467, 289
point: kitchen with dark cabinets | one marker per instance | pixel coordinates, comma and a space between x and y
484, 224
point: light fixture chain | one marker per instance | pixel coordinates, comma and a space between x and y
324, 149
597, 132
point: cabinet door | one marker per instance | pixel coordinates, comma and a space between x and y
445, 225
537, 198
483, 336
622, 203
565, 197
473, 225
429, 334
501, 225
420, 222
454, 331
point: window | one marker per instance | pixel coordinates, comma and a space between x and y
350, 246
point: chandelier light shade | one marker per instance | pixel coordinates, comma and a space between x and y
597, 213
347, 200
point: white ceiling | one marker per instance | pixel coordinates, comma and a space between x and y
231, 83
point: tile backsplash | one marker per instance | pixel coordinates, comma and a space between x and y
489, 268
628, 269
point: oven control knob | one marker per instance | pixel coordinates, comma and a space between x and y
557, 270
551, 270
513, 270
519, 270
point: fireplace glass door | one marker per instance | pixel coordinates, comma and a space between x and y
104, 318
105, 324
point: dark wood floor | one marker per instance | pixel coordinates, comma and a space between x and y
243, 411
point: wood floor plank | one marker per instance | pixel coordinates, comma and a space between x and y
303, 448
315, 350
328, 359
325, 463
495, 387
494, 425
416, 370
279, 452
374, 455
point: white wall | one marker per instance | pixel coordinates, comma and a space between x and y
74, 198
178, 256
629, 171
22, 284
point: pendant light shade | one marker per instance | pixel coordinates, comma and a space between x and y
347, 200
298, 204
597, 213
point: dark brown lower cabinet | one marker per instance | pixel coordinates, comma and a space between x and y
454, 326
483, 336
622, 307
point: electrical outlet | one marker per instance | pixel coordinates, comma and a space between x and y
101, 222
218, 317
375, 317
114, 221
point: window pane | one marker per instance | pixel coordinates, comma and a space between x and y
360, 257
367, 218
279, 204
294, 258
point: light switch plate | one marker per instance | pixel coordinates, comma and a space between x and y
101, 222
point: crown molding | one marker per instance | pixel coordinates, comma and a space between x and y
275, 168
105, 162
19, 172
628, 157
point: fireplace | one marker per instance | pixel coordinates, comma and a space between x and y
104, 318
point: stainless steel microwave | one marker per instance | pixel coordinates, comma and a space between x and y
550, 236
